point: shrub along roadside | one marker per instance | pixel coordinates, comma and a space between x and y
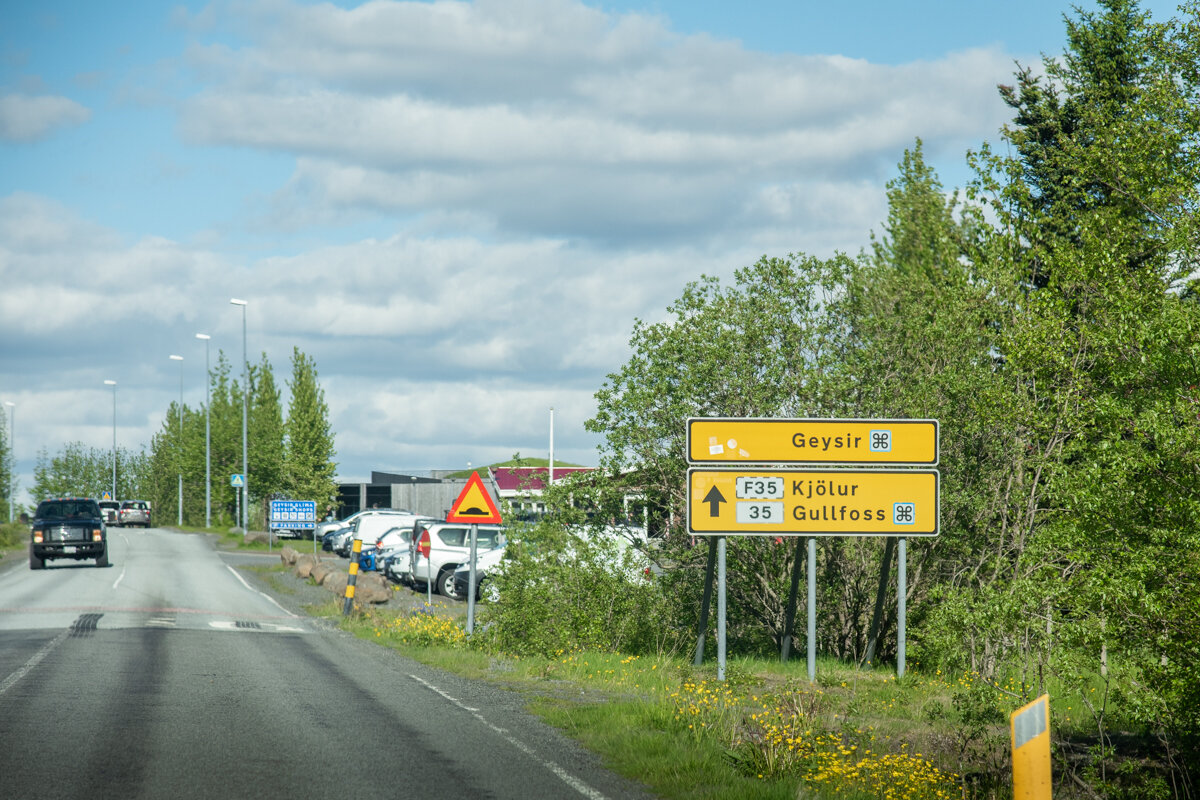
13, 536
761, 734
766, 732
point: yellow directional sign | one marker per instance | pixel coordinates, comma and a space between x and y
816, 502
722, 440
1029, 726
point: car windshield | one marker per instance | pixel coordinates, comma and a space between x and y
68, 509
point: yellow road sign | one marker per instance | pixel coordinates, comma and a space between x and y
817, 502
474, 504
719, 440
1029, 726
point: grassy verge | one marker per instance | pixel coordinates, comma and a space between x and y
765, 732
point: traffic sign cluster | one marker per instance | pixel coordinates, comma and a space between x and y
767, 497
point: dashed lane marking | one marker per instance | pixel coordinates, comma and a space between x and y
562, 774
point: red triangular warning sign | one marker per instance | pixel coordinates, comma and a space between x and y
474, 504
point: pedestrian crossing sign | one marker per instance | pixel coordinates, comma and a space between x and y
237, 480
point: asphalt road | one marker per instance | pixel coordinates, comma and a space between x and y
170, 675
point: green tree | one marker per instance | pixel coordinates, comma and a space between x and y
225, 399
8, 466
266, 432
764, 346
309, 448
1096, 227
80, 470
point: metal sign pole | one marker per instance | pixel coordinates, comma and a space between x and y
901, 603
721, 608
471, 581
812, 610
706, 602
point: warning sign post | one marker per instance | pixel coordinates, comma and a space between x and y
474, 504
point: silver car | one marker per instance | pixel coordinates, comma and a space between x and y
134, 512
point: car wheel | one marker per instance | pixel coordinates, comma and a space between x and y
102, 559
445, 583
36, 563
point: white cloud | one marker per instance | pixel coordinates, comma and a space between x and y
558, 120
536, 174
28, 118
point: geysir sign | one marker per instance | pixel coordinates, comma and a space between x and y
723, 440
829, 502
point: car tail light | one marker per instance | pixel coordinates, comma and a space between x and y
96, 535
37, 537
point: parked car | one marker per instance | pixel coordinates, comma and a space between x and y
68, 527
326, 526
109, 509
370, 525
394, 549
450, 546
331, 537
342, 539
486, 566
134, 512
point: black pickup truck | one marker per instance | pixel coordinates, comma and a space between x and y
68, 527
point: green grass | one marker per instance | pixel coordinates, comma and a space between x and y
766, 732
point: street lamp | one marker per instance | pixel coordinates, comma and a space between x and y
114, 483
245, 415
207, 439
12, 451
179, 440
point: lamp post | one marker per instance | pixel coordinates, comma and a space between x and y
12, 451
245, 415
114, 481
179, 440
207, 439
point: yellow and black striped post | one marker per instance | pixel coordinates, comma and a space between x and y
354, 551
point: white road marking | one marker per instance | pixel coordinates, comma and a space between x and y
563, 775
266, 627
36, 659
251, 588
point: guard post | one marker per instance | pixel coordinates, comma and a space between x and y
355, 549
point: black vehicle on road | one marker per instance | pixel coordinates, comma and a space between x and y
68, 527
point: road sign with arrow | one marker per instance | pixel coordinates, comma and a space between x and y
864, 502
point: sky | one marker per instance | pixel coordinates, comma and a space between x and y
457, 209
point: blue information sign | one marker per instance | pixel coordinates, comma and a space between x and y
296, 515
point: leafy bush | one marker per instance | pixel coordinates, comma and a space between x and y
13, 536
560, 591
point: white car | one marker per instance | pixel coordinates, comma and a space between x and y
450, 546
371, 525
486, 565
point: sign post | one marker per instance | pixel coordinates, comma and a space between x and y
813, 502
294, 515
424, 546
835, 442
473, 506
1029, 727
791, 477
238, 481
